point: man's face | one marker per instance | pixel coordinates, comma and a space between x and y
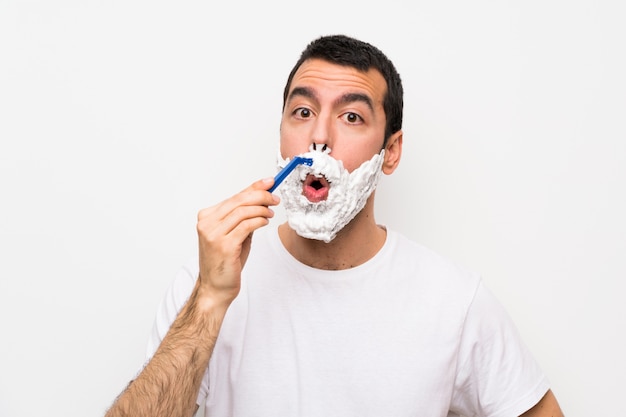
337, 106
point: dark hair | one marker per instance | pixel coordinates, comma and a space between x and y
347, 51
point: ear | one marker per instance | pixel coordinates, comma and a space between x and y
393, 152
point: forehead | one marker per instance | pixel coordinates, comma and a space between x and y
324, 76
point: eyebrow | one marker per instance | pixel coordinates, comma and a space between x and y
302, 92
355, 97
344, 99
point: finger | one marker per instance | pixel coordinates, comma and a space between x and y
245, 228
255, 194
232, 245
264, 184
213, 228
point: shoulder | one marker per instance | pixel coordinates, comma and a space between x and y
428, 264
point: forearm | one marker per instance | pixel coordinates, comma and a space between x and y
169, 384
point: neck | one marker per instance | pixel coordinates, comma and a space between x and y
354, 245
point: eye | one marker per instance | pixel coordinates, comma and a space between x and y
352, 118
302, 113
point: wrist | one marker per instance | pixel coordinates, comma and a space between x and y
209, 299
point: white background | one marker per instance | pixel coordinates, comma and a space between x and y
119, 120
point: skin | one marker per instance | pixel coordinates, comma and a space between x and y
340, 107
333, 105
169, 384
548, 406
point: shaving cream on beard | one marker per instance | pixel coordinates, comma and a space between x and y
347, 195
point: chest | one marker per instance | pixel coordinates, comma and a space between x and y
297, 348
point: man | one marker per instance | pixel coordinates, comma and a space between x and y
333, 314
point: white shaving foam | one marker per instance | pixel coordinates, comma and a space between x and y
347, 195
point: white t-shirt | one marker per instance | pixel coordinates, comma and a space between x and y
408, 333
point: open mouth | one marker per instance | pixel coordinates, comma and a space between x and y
315, 188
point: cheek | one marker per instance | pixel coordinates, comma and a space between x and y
292, 143
352, 158
288, 148
350, 161
286, 141
355, 149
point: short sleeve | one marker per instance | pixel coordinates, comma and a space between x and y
496, 374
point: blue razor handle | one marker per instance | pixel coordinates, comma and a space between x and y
298, 160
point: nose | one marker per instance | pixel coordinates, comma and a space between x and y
320, 147
322, 134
